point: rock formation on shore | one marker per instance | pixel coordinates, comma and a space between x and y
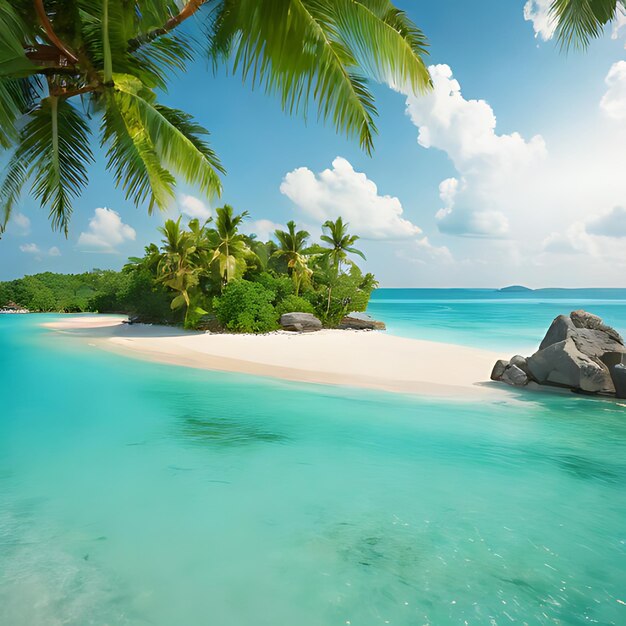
579, 352
300, 322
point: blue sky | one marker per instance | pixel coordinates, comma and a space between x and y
536, 200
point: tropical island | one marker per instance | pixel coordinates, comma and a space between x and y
177, 448
211, 276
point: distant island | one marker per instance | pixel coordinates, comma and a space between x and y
514, 289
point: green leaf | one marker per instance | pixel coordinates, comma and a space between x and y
580, 21
178, 302
54, 151
176, 139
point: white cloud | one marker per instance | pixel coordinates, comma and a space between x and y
33, 248
193, 207
597, 237
263, 229
611, 224
613, 103
106, 231
21, 223
341, 191
538, 12
491, 166
575, 240
30, 248
619, 22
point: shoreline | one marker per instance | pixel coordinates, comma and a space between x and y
353, 358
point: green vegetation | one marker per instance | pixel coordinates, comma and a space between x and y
580, 21
212, 275
69, 69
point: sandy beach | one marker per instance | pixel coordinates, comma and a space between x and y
374, 360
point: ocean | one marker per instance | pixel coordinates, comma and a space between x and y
146, 494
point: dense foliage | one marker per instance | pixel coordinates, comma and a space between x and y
212, 275
72, 69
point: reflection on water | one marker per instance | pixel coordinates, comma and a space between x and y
212, 431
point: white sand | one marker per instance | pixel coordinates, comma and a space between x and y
356, 358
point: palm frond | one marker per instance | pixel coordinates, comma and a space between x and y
17, 97
290, 49
14, 33
386, 44
177, 140
580, 21
15, 178
131, 155
55, 146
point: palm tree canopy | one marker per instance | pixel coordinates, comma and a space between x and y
580, 21
340, 242
62, 63
228, 244
291, 242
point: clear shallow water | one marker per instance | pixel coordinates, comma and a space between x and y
488, 318
136, 493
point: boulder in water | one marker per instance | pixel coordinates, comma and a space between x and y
579, 352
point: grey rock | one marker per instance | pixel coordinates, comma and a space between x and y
513, 375
618, 374
498, 369
565, 365
559, 331
589, 321
300, 322
361, 323
521, 362
579, 352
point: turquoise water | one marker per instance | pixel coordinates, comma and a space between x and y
515, 322
137, 493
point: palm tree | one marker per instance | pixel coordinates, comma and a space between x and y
228, 244
292, 246
64, 63
580, 21
178, 268
340, 242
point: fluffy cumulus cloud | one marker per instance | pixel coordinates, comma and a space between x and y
341, 191
491, 167
105, 232
613, 103
538, 12
598, 238
611, 224
30, 248
193, 207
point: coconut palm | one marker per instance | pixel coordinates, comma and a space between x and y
340, 243
228, 244
65, 63
580, 21
292, 247
178, 267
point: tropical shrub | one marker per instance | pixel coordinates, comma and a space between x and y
246, 307
293, 303
281, 286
